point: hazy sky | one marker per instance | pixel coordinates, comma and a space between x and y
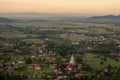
61, 6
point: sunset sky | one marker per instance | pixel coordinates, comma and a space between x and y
61, 6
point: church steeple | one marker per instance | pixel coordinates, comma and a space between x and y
72, 60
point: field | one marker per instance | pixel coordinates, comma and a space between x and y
95, 62
42, 49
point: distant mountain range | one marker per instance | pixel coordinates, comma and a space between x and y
106, 17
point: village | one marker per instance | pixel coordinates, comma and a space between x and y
87, 51
59, 39
41, 61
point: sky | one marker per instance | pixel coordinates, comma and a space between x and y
99, 7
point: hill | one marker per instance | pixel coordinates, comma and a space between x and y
6, 20
106, 17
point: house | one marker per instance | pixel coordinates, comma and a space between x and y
115, 54
89, 48
79, 66
51, 52
53, 66
68, 67
33, 56
78, 75
44, 45
61, 77
38, 68
64, 35
7, 64
35, 66
34, 75
75, 42
64, 60
40, 50
17, 50
20, 62
10, 69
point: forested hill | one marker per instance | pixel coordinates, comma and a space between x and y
106, 17
4, 20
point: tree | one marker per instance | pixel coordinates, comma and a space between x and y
102, 63
28, 61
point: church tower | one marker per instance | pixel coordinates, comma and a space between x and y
72, 60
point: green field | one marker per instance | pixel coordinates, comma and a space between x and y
95, 62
